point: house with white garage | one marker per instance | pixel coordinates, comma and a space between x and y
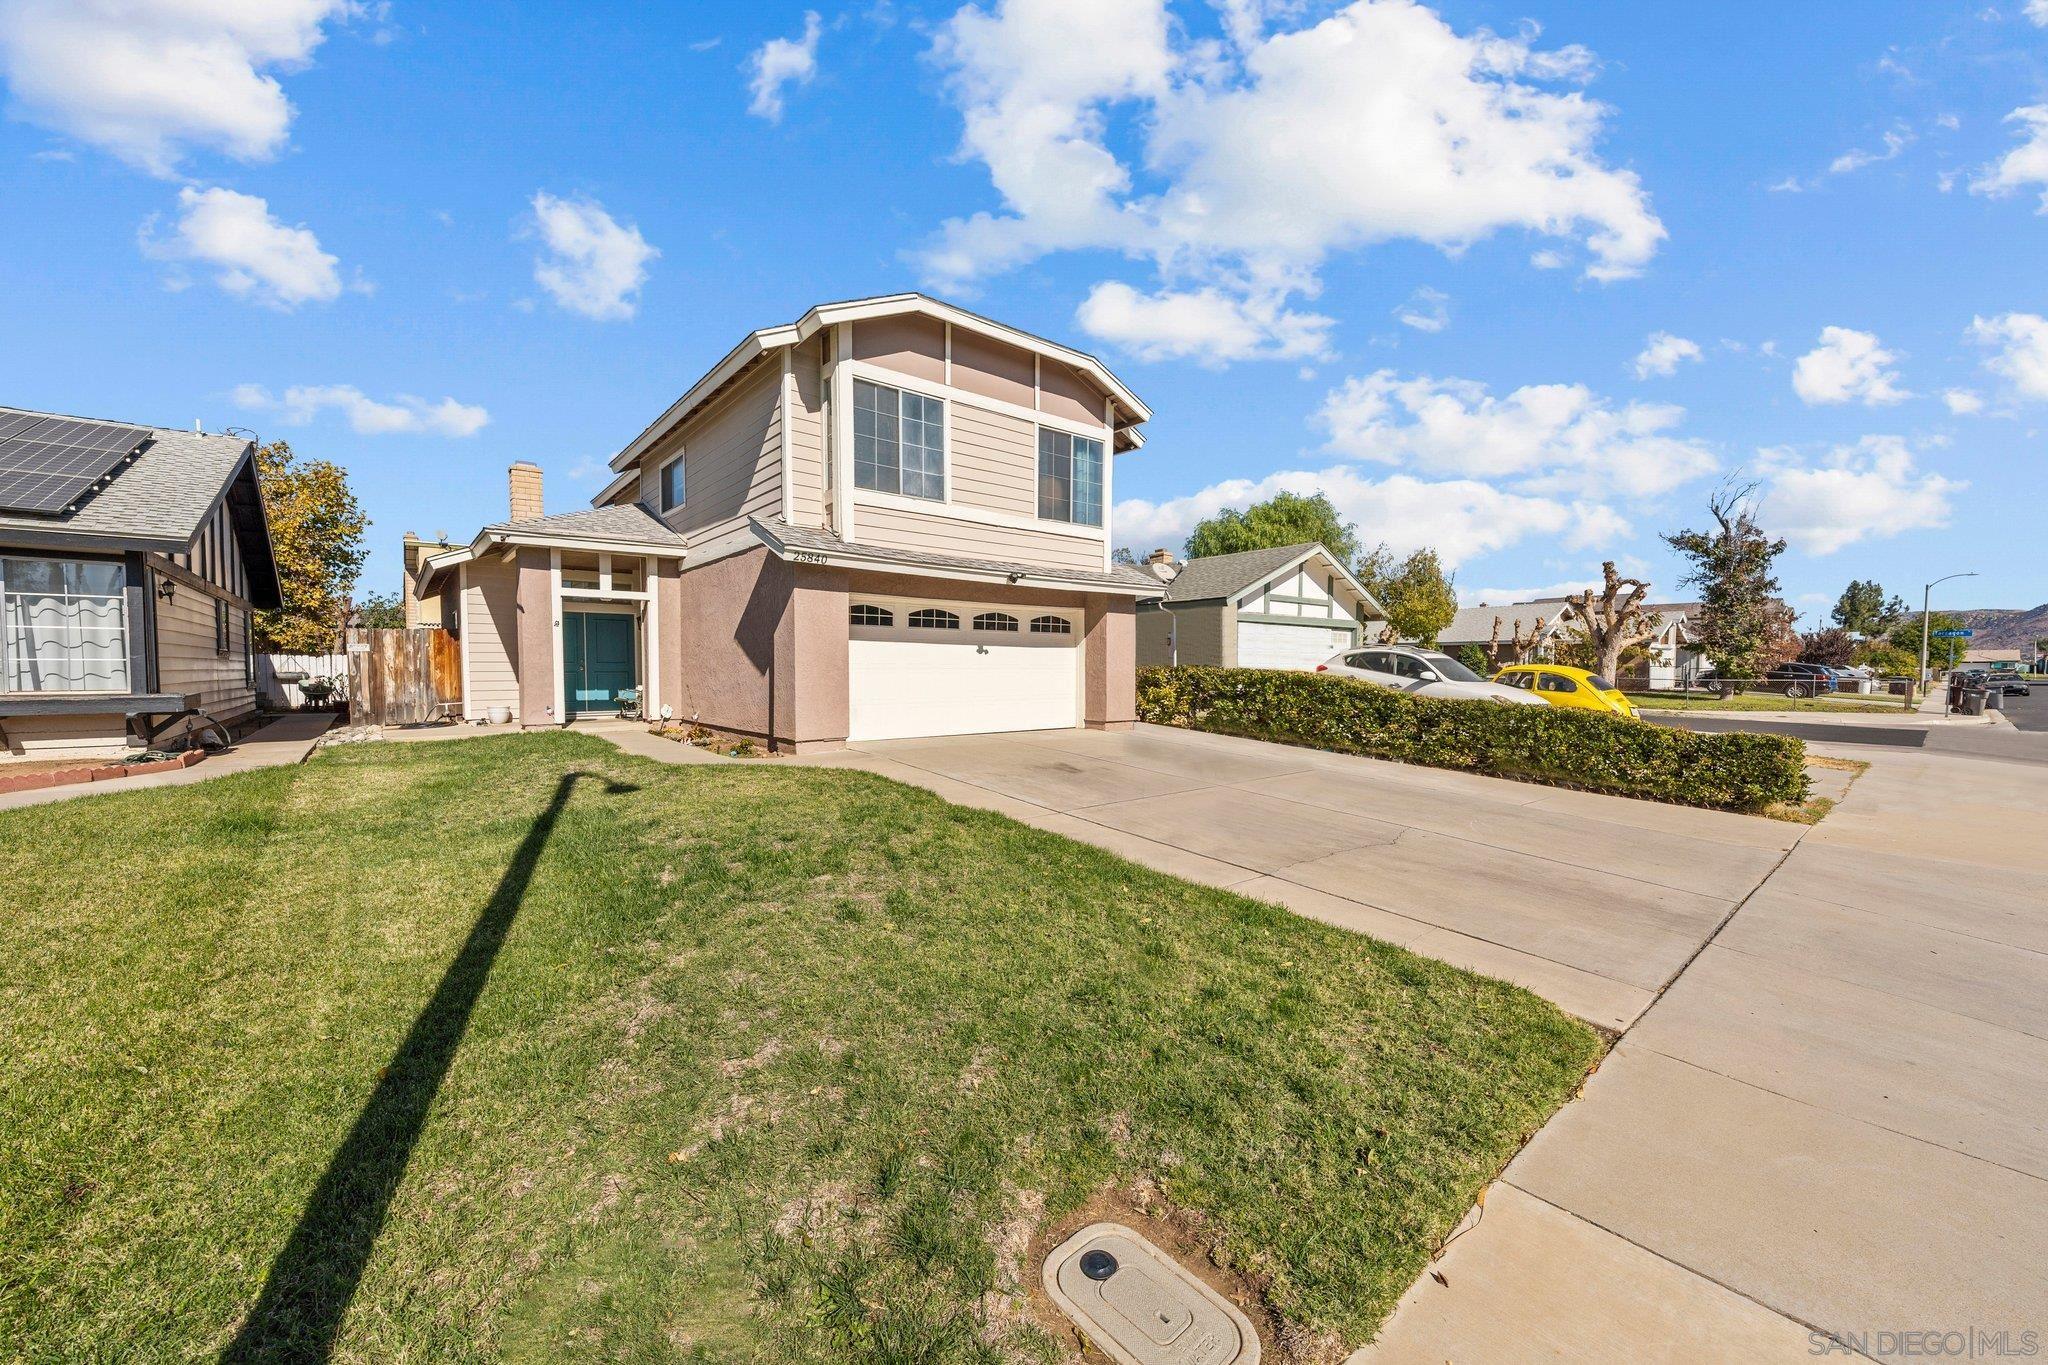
1289, 607
886, 519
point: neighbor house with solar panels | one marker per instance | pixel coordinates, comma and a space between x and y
886, 519
132, 562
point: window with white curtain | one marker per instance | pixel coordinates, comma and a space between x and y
1069, 478
63, 625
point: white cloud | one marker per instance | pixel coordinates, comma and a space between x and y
1425, 311
1264, 155
1549, 438
1870, 489
595, 264
1459, 518
150, 80
1856, 158
1207, 325
1847, 366
1964, 402
1549, 260
1663, 353
781, 62
1480, 597
2022, 355
408, 415
2025, 166
258, 258
2037, 10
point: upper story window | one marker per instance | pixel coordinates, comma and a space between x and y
1069, 477
899, 443
65, 625
672, 484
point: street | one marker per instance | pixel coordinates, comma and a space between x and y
2029, 713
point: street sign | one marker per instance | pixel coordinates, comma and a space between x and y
1953, 634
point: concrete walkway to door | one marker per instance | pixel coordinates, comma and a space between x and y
1591, 901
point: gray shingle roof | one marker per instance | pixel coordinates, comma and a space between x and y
1224, 575
630, 522
1474, 625
1121, 576
156, 503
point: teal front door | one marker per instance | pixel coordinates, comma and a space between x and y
597, 660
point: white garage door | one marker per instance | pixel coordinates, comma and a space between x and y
1263, 644
947, 668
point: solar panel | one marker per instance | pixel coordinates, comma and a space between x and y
48, 463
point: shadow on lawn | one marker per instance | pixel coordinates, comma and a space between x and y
312, 1280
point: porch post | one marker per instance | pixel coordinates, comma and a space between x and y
650, 688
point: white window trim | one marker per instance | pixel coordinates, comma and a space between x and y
1092, 435
945, 440
661, 485
130, 685
953, 393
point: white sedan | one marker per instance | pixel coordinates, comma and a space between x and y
1424, 672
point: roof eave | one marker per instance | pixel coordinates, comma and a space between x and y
853, 557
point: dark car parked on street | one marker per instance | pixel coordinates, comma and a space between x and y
1801, 680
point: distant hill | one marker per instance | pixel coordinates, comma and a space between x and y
2004, 628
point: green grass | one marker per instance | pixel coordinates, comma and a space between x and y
1764, 701
524, 1048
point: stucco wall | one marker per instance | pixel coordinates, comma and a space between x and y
1109, 695
731, 610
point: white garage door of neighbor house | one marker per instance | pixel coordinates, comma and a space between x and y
1262, 644
917, 668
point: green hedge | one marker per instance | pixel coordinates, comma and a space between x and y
1534, 743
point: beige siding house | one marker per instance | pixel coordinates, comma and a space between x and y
886, 519
127, 608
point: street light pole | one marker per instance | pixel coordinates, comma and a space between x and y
1926, 597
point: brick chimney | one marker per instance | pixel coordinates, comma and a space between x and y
1162, 565
525, 480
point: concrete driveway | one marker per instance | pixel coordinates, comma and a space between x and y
1825, 1127
1593, 902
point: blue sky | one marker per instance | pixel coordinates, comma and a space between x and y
1524, 281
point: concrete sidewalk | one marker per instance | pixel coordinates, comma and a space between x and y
288, 739
1834, 1121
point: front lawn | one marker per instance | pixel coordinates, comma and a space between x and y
525, 1048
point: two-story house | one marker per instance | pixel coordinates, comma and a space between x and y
887, 519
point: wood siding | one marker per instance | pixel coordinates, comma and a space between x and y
807, 438
936, 533
490, 621
994, 461
1208, 635
732, 458
187, 657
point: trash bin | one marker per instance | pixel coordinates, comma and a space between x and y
1972, 701
1994, 698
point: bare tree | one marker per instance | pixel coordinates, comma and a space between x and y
1613, 621
1524, 647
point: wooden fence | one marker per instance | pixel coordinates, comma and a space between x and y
272, 669
402, 677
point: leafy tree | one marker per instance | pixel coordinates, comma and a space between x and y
382, 611
1474, 657
1612, 622
317, 529
1742, 626
1283, 519
1834, 646
1416, 592
1886, 659
1861, 608
1940, 653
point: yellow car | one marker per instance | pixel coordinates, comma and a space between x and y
1562, 686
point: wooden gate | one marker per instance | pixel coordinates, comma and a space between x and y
402, 677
